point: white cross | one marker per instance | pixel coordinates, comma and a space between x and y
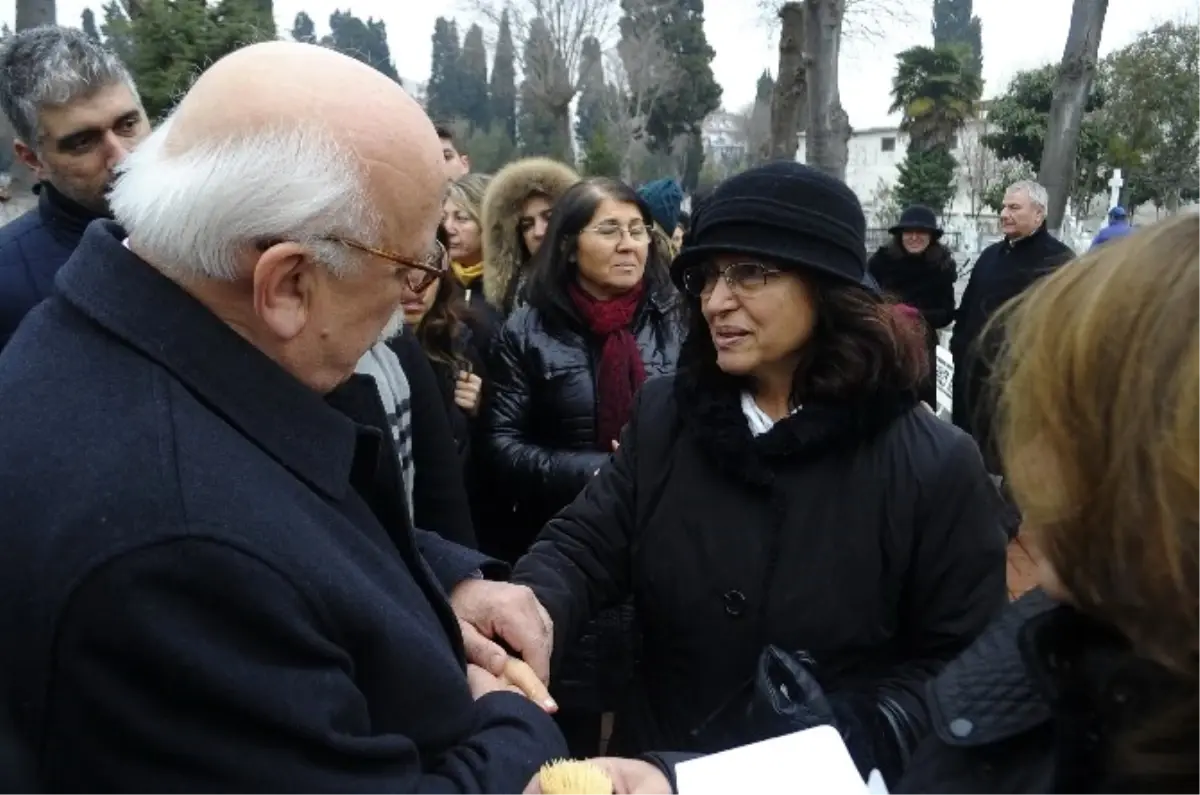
1114, 184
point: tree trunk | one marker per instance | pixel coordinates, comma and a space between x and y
1078, 69
789, 101
32, 13
827, 138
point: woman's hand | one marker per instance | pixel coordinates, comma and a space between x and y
467, 390
629, 777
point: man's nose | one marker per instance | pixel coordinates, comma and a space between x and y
116, 148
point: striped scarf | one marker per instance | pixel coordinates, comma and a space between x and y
382, 364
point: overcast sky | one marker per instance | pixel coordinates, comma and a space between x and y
1017, 34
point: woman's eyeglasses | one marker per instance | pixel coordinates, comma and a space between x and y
612, 232
743, 278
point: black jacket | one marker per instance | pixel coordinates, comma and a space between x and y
32, 249
1003, 271
870, 538
1040, 703
439, 489
209, 581
539, 419
925, 281
461, 423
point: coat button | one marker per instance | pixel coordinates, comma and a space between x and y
961, 727
735, 603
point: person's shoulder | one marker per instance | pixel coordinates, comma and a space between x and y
18, 234
933, 447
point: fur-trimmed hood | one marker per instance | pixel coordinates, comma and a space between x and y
506, 195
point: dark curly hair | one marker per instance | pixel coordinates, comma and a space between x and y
862, 348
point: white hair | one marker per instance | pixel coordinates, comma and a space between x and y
1034, 190
191, 213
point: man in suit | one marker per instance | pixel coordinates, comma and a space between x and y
210, 580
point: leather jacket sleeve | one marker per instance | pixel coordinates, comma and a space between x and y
527, 468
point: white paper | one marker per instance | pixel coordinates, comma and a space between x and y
814, 760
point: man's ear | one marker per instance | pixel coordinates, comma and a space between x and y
466, 161
285, 283
26, 155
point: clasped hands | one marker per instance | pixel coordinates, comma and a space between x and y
496, 610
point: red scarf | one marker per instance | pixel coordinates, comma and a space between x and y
621, 371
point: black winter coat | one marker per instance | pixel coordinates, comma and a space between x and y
32, 249
462, 424
926, 283
869, 538
1003, 271
439, 485
539, 419
1040, 703
209, 580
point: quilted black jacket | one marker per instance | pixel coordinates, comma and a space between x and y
539, 418
1038, 703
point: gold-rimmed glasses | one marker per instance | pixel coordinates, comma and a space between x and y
417, 273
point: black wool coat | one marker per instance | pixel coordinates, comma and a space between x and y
1003, 271
1043, 702
869, 537
209, 580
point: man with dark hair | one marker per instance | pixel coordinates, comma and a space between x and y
458, 164
76, 114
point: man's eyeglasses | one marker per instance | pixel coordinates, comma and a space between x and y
417, 273
743, 278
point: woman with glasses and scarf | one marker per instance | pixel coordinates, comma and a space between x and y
784, 496
599, 319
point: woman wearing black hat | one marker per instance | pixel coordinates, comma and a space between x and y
918, 271
784, 489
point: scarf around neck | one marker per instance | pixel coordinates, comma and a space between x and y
620, 371
467, 275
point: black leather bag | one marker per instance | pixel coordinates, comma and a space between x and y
784, 696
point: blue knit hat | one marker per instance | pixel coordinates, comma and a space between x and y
664, 197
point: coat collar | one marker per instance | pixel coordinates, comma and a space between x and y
59, 212
711, 403
133, 301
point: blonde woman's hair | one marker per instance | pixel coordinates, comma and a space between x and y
1100, 434
467, 193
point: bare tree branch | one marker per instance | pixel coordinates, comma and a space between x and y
865, 20
640, 70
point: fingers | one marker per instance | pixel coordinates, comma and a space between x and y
518, 673
616, 445
527, 629
482, 652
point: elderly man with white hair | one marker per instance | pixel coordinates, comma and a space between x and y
210, 581
1002, 271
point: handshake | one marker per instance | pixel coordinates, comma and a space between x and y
490, 611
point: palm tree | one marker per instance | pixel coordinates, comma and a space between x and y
937, 91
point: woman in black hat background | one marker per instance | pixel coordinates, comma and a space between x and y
785, 487
916, 270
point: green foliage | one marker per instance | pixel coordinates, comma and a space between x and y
679, 24
504, 82
303, 29
443, 97
171, 41
88, 23
593, 92
363, 41
541, 128
490, 148
1151, 114
1019, 118
954, 24
600, 157
765, 88
473, 77
1009, 172
927, 177
936, 91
